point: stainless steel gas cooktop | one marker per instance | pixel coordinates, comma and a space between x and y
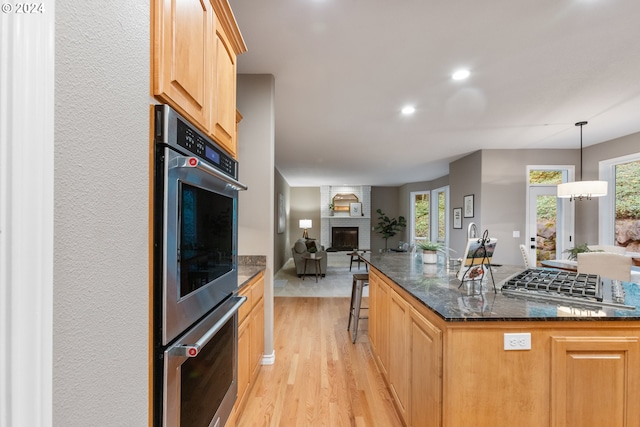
563, 286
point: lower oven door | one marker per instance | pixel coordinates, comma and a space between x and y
200, 370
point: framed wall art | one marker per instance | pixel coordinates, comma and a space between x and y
468, 206
457, 217
281, 214
355, 209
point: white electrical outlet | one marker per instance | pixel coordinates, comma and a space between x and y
521, 341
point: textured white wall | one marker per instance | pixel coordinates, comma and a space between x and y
101, 257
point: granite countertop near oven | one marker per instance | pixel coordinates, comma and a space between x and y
438, 289
249, 266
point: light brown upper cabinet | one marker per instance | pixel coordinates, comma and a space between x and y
195, 45
224, 113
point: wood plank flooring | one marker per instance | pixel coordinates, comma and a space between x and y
319, 377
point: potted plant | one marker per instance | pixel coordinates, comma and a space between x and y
389, 227
331, 209
429, 251
573, 252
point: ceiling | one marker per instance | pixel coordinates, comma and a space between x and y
344, 68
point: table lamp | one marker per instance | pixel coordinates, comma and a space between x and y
305, 224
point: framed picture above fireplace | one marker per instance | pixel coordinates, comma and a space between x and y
355, 209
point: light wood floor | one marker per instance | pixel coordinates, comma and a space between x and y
319, 378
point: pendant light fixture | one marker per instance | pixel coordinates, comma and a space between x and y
579, 190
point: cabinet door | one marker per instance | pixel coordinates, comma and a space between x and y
257, 337
245, 308
244, 360
224, 113
398, 352
183, 55
425, 343
595, 381
379, 320
373, 312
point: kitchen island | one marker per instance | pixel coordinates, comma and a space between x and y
468, 356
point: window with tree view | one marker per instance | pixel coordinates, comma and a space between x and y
421, 215
627, 205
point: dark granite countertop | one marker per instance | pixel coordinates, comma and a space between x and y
438, 289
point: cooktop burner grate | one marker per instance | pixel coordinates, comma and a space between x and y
556, 282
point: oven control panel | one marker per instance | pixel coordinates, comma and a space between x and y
190, 139
174, 130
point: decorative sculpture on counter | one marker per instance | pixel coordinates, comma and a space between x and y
477, 259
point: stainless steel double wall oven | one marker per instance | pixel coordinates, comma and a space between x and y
195, 275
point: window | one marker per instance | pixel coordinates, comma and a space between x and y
620, 208
420, 215
430, 215
441, 205
546, 177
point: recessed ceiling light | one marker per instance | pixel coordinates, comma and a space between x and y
408, 110
460, 75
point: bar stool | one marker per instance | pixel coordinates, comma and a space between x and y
359, 282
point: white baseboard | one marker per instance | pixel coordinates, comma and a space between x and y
269, 359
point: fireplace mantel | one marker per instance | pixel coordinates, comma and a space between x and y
343, 218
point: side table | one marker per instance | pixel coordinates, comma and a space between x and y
355, 256
316, 258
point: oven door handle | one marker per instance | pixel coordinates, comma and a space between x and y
192, 350
194, 162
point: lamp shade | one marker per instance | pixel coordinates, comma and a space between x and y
582, 189
305, 223
579, 190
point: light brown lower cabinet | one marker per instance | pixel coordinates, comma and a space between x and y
250, 341
592, 381
399, 368
425, 342
378, 323
577, 373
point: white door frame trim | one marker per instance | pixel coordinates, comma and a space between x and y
26, 216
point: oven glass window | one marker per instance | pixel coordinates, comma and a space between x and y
205, 238
206, 378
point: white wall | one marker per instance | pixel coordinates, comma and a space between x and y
101, 222
256, 152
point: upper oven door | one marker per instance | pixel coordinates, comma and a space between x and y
199, 241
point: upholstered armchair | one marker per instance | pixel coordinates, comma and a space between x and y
303, 247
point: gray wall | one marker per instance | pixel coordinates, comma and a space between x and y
503, 195
256, 206
387, 199
305, 204
465, 178
281, 251
101, 305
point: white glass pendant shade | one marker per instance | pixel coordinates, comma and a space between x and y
582, 189
579, 190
